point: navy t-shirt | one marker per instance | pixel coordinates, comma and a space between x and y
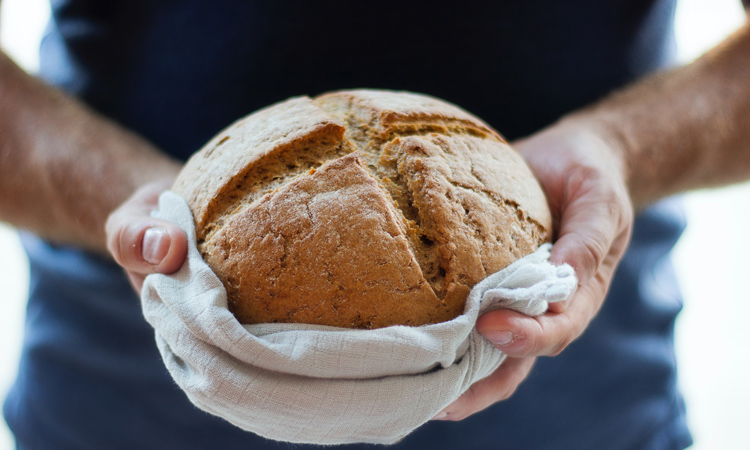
179, 71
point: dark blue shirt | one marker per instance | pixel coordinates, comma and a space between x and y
179, 71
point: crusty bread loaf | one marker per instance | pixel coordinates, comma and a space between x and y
360, 209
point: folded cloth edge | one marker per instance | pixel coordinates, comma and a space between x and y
204, 361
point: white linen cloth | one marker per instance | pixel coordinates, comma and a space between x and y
327, 385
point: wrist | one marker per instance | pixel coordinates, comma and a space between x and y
65, 167
617, 149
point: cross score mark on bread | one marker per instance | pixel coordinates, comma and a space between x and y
360, 209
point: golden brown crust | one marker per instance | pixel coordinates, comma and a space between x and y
351, 266
387, 114
272, 138
360, 209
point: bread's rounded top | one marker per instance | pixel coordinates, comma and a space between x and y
360, 209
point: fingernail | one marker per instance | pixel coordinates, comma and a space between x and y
156, 243
500, 337
441, 415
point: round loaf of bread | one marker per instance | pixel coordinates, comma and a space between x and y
360, 209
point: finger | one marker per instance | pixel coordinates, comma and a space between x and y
520, 335
136, 280
594, 215
595, 224
141, 243
500, 385
558, 307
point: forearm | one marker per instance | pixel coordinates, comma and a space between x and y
684, 129
64, 168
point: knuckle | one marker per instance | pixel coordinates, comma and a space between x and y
582, 180
507, 393
627, 210
559, 346
621, 208
593, 249
456, 416
566, 333
112, 230
113, 243
462, 408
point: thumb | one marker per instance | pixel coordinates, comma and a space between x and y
143, 244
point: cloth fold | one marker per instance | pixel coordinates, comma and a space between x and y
325, 385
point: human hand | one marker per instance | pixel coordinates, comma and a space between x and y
142, 244
584, 176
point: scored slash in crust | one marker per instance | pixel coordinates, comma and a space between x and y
360, 209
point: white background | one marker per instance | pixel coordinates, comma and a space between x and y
711, 258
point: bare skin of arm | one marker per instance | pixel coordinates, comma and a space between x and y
63, 167
707, 143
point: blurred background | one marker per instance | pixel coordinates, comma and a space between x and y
712, 258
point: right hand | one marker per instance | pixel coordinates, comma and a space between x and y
584, 176
142, 244
584, 172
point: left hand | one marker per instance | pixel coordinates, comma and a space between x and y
583, 173
142, 244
